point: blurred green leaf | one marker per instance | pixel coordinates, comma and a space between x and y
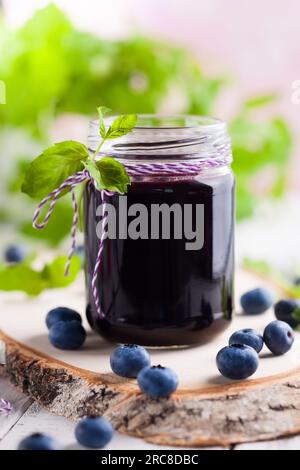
259, 266
76, 67
53, 272
22, 277
256, 145
261, 100
58, 227
51, 68
296, 314
15, 182
265, 270
34, 69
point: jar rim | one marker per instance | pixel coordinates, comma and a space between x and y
169, 121
167, 137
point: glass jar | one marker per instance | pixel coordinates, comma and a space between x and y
166, 274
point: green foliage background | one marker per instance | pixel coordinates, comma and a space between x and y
51, 68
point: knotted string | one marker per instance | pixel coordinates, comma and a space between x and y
183, 168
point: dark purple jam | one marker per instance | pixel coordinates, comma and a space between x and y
154, 292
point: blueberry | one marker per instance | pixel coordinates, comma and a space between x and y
67, 335
61, 314
284, 310
249, 337
278, 337
157, 381
94, 432
256, 301
14, 254
129, 359
38, 441
237, 361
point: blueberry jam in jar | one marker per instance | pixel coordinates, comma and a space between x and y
166, 273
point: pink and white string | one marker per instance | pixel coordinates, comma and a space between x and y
184, 168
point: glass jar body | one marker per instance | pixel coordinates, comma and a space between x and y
173, 288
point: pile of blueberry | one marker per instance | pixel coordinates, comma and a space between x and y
65, 328
239, 359
236, 361
129, 360
133, 361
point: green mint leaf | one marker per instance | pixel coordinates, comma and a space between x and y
92, 168
21, 277
54, 272
122, 125
113, 175
108, 174
102, 110
52, 167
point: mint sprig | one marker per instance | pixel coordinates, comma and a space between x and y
64, 159
121, 126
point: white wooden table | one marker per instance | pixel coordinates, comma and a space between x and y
27, 417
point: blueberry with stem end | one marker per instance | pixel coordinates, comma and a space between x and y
157, 381
249, 337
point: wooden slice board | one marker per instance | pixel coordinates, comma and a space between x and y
206, 410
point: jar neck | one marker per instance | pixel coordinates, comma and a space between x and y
174, 145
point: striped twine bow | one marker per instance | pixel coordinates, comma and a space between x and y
70, 183
184, 168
